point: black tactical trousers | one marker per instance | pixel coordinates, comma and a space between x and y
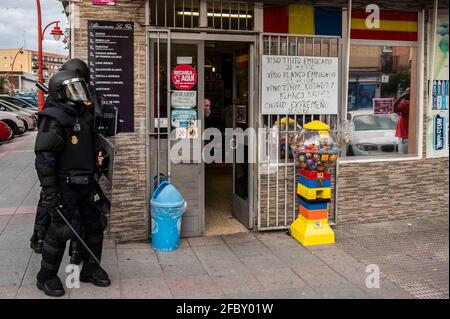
41, 223
79, 210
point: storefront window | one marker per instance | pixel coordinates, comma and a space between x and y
382, 100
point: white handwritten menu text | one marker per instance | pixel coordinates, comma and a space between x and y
111, 61
299, 85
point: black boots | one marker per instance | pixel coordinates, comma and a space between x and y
75, 252
52, 287
37, 239
98, 277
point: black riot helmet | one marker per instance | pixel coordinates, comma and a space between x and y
77, 66
67, 86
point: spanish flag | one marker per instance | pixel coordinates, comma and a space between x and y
302, 19
394, 25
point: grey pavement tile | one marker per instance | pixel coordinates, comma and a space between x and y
184, 243
282, 278
2, 227
178, 256
239, 238
237, 283
262, 262
133, 270
295, 255
138, 245
11, 275
109, 256
16, 237
205, 297
339, 291
4, 219
272, 235
22, 219
334, 255
145, 289
220, 251
32, 292
295, 293
251, 248
112, 270
14, 257
141, 255
251, 295
318, 275
189, 268
223, 267
90, 291
205, 241
8, 292
190, 287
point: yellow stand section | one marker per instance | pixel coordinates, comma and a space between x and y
312, 232
313, 193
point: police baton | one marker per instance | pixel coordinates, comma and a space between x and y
78, 236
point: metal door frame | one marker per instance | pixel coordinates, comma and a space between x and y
154, 37
252, 98
198, 38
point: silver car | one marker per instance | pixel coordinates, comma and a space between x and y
27, 116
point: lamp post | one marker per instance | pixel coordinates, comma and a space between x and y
57, 33
11, 75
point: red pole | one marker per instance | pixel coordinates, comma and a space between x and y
40, 67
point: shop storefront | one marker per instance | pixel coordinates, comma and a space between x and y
378, 75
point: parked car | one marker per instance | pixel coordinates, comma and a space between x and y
372, 134
5, 132
14, 121
29, 118
19, 103
28, 97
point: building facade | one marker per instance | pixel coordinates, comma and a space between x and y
26, 65
393, 165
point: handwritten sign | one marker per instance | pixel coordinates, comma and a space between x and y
299, 85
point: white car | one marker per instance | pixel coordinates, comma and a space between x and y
14, 121
29, 118
372, 134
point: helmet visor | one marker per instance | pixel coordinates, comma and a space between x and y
76, 90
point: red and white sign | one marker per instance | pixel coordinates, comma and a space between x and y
184, 77
104, 2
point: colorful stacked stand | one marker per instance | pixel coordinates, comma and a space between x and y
314, 191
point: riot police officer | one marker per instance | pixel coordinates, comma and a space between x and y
66, 163
42, 218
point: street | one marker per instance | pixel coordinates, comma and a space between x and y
412, 256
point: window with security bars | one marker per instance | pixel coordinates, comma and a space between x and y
175, 13
223, 14
230, 14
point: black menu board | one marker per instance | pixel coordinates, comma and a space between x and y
111, 61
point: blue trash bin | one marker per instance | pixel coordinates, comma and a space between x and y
168, 206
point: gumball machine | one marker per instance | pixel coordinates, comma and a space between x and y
316, 150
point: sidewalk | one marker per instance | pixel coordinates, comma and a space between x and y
412, 256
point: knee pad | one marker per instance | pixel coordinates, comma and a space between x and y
59, 233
